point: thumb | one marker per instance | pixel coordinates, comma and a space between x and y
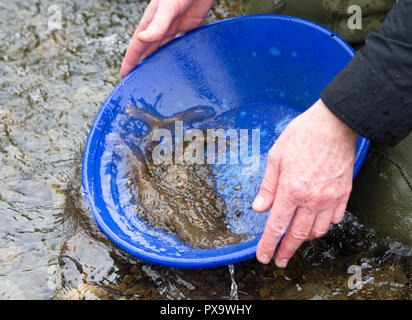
165, 15
268, 187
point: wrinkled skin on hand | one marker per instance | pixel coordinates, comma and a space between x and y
162, 21
179, 198
307, 182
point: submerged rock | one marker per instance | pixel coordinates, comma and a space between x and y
85, 291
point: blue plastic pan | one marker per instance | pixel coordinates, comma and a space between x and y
262, 70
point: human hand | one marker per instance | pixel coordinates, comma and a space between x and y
307, 182
161, 22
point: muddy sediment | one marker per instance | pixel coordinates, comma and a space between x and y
179, 198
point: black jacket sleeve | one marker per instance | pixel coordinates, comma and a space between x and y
373, 93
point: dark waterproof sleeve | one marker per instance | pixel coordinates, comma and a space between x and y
373, 93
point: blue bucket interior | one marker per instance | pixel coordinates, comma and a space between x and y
255, 72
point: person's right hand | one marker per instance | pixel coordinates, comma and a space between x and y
161, 22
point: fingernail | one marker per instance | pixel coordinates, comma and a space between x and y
258, 203
282, 263
264, 258
144, 33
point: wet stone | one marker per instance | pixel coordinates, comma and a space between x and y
128, 279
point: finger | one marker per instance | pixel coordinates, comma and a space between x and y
340, 211
267, 191
297, 233
166, 13
133, 55
276, 225
167, 39
321, 224
148, 15
154, 46
171, 34
173, 31
195, 15
136, 47
149, 50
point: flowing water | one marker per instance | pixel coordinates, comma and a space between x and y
58, 62
234, 295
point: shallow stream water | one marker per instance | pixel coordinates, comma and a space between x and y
52, 83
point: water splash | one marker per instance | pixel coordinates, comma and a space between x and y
233, 287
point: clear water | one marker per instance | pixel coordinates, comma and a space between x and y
234, 295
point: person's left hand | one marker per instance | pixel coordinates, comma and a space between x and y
307, 182
161, 22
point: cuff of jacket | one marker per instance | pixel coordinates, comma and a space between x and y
368, 103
